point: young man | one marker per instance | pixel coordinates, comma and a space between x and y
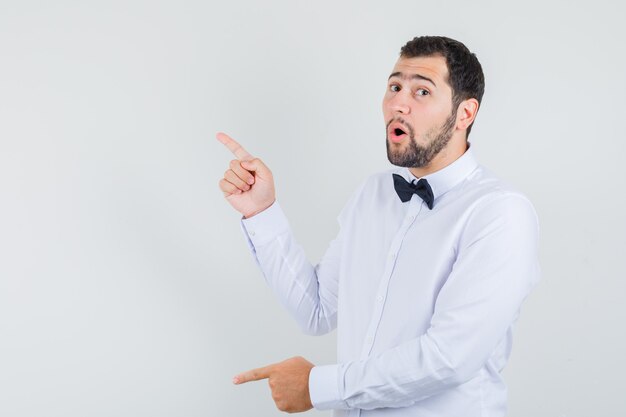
429, 269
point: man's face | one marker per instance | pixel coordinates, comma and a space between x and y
418, 113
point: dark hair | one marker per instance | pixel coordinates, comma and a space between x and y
465, 74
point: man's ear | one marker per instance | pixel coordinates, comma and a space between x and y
466, 113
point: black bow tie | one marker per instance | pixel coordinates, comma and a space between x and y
406, 189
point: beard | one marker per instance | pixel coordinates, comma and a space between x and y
415, 155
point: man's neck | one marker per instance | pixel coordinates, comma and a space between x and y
445, 157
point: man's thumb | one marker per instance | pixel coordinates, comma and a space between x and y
255, 165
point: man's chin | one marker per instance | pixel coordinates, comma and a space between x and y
396, 158
399, 162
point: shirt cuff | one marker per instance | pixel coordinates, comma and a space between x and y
266, 225
324, 388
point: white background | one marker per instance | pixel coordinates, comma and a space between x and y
126, 287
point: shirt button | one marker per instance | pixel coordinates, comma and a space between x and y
369, 340
251, 232
380, 298
392, 255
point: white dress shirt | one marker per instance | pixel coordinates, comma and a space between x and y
423, 300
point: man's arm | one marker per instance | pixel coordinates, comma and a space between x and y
308, 292
496, 268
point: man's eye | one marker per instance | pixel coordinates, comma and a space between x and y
422, 92
395, 88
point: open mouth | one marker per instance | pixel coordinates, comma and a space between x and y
396, 133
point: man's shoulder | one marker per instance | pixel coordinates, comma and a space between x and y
485, 183
485, 191
376, 184
371, 189
380, 178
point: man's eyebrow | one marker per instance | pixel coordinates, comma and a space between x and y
413, 77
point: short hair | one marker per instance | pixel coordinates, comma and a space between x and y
465, 74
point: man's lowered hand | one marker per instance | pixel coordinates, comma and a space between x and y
288, 380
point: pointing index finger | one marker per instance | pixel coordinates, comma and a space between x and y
254, 375
234, 147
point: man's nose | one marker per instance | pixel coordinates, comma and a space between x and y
400, 103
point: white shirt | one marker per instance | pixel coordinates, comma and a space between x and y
423, 300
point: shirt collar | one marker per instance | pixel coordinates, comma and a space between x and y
447, 177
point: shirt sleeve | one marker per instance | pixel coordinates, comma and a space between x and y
308, 292
496, 267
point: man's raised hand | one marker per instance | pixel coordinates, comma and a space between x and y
248, 184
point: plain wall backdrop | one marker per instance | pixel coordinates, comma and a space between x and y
126, 286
